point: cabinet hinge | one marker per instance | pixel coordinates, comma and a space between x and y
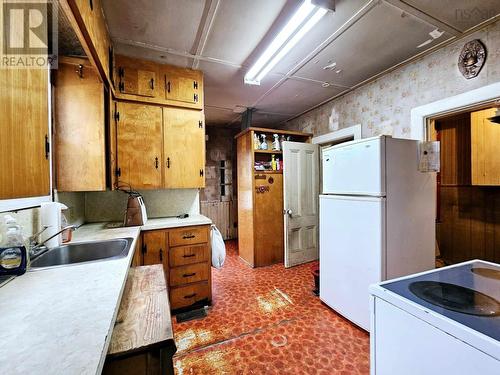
195, 85
196, 98
200, 124
121, 72
201, 172
144, 249
121, 86
117, 116
47, 147
91, 5
118, 172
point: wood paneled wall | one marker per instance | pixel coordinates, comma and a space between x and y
469, 216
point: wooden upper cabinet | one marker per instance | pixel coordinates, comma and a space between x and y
154, 247
24, 133
139, 145
80, 156
184, 148
136, 77
183, 85
485, 158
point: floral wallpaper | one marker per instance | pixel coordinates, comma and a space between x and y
384, 105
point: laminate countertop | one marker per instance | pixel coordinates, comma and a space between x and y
60, 320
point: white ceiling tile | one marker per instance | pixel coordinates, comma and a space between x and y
239, 26
153, 55
330, 22
461, 14
296, 96
220, 117
381, 39
166, 23
224, 86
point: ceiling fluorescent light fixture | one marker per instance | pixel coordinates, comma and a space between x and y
285, 41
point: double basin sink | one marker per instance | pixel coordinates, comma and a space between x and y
83, 252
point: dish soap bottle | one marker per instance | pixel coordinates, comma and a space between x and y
13, 252
273, 163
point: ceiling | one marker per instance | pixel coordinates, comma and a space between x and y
224, 38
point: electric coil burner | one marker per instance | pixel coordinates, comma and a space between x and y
456, 298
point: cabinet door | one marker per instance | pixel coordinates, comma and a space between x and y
24, 133
79, 115
139, 144
136, 81
183, 85
154, 247
184, 148
485, 158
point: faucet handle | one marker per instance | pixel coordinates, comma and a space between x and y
33, 237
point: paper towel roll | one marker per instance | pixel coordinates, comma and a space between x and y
50, 216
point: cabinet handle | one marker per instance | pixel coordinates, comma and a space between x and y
188, 236
161, 255
188, 255
156, 162
152, 84
190, 296
168, 162
47, 147
168, 86
189, 274
91, 4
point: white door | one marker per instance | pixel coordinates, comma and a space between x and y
355, 168
352, 248
300, 196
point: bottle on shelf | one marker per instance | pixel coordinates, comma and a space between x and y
276, 143
278, 165
273, 163
263, 145
256, 142
282, 139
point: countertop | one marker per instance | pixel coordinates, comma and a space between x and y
60, 320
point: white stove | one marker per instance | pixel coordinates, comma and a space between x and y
444, 321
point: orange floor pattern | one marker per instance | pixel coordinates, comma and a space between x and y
267, 321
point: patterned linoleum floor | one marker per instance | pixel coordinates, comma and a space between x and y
267, 321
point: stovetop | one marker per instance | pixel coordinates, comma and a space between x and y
468, 294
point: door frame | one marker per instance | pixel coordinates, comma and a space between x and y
454, 104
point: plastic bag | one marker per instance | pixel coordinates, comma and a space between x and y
218, 248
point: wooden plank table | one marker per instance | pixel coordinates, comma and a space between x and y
143, 339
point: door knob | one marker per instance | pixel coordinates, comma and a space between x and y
288, 212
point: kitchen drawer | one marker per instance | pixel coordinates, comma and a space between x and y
188, 236
189, 274
182, 255
187, 295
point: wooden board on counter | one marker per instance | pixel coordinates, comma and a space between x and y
144, 317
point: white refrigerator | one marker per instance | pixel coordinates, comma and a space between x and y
377, 220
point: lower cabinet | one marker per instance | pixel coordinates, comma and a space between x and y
186, 257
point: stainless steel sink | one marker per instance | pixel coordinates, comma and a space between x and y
83, 252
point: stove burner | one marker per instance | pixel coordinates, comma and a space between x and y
456, 298
487, 272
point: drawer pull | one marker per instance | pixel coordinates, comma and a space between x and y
190, 296
189, 274
188, 255
188, 236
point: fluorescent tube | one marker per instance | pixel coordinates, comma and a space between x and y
297, 19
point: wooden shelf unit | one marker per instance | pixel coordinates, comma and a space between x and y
260, 201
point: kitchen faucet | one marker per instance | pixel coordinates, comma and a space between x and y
37, 249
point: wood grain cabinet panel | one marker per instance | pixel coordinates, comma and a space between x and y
24, 133
182, 255
184, 148
79, 128
485, 141
183, 85
137, 78
189, 294
188, 274
154, 249
139, 144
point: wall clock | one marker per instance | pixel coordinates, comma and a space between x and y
472, 58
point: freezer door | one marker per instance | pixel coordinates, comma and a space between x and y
356, 168
352, 248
